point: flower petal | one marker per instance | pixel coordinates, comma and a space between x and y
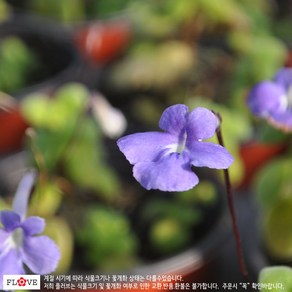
10, 220
33, 225
141, 147
209, 155
10, 264
265, 98
3, 243
173, 119
201, 124
281, 120
22, 194
170, 173
40, 254
284, 78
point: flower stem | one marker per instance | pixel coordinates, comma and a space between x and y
230, 200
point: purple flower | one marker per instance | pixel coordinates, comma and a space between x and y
18, 244
272, 100
164, 160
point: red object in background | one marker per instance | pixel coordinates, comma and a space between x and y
255, 155
288, 62
12, 130
102, 42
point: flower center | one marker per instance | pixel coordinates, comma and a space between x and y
178, 147
287, 99
14, 241
17, 238
181, 145
289, 96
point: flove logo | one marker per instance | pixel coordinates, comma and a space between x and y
21, 282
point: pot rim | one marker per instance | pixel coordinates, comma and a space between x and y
185, 262
194, 258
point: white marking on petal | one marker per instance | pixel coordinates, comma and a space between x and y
284, 102
17, 236
15, 240
177, 147
289, 96
171, 148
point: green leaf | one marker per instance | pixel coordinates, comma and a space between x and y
279, 278
51, 145
205, 193
274, 181
168, 235
277, 230
65, 10
73, 97
46, 199
159, 67
264, 63
55, 120
35, 109
149, 21
158, 208
106, 236
58, 229
257, 64
225, 11
108, 7
258, 13
55, 113
16, 62
4, 10
269, 134
85, 163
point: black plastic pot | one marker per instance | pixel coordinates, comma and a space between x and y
210, 259
53, 45
195, 263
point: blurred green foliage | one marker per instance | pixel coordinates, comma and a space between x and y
60, 231
169, 228
263, 55
66, 146
235, 129
203, 53
277, 230
94, 172
65, 10
274, 182
204, 193
64, 134
275, 276
153, 66
168, 235
4, 11
69, 11
107, 239
274, 192
55, 120
47, 199
17, 62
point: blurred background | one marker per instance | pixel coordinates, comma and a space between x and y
75, 75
